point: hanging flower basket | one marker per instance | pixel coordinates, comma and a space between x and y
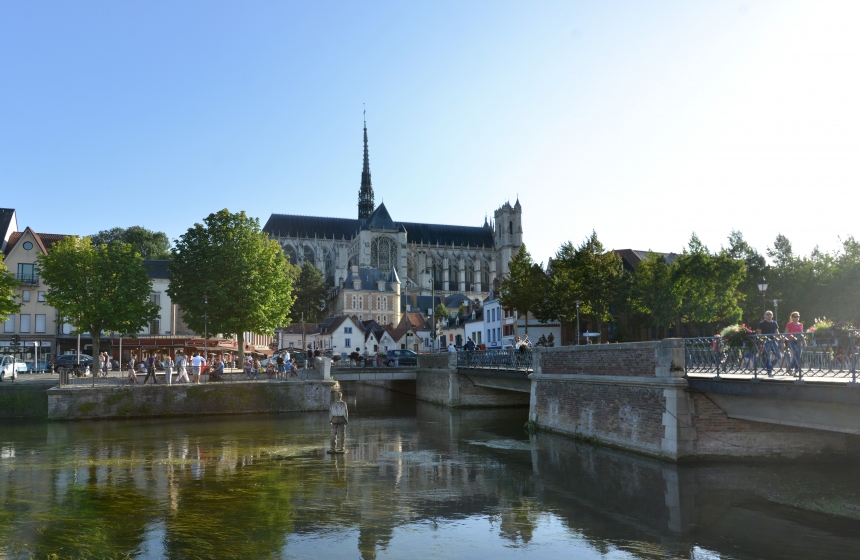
736, 336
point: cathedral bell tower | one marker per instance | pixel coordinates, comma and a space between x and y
365, 194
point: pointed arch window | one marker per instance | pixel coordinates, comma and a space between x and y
383, 253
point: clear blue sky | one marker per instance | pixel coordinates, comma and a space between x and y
644, 121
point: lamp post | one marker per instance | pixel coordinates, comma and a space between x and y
577, 322
206, 329
776, 311
762, 287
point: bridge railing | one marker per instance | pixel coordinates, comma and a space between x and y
798, 355
512, 360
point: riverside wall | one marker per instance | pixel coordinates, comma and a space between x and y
437, 381
635, 396
24, 400
80, 403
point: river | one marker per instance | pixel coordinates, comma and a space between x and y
417, 480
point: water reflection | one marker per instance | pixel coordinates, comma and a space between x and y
418, 479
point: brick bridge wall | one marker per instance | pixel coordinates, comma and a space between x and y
634, 396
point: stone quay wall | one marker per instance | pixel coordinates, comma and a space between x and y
635, 396
24, 400
73, 403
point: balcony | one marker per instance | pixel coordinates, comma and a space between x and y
28, 279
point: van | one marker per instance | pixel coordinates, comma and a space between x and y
508, 342
9, 367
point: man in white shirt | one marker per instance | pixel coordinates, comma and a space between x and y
181, 364
452, 348
196, 362
339, 417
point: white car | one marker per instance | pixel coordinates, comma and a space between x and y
9, 367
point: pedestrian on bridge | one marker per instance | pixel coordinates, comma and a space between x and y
769, 327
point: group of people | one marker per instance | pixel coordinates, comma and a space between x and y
181, 366
105, 364
280, 366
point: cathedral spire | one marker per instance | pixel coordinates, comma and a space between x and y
365, 194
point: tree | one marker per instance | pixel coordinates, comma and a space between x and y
522, 288
755, 268
8, 284
462, 309
706, 285
651, 298
311, 292
98, 288
440, 312
587, 273
150, 244
242, 273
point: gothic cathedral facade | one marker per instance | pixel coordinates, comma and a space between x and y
455, 259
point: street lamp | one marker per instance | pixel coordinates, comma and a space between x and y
577, 322
762, 287
206, 329
776, 311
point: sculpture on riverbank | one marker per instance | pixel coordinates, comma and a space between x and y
338, 418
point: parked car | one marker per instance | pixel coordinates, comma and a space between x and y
403, 357
66, 362
9, 367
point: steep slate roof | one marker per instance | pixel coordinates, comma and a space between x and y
422, 303
631, 258
291, 225
6, 217
379, 219
296, 328
448, 235
369, 278
156, 268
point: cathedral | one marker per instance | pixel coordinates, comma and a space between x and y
455, 259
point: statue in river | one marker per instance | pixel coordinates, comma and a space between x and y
339, 416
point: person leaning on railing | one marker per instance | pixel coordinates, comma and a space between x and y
796, 343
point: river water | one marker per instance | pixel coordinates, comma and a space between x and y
417, 480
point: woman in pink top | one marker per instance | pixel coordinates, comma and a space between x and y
796, 343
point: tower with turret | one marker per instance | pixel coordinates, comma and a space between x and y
508, 233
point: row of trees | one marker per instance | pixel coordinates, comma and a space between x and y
226, 274
703, 288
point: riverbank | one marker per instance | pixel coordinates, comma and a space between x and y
148, 401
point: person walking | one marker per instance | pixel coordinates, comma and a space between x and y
150, 370
796, 342
132, 378
470, 344
168, 369
181, 367
769, 327
338, 418
196, 360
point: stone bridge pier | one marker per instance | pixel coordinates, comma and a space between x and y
438, 380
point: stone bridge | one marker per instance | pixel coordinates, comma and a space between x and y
639, 397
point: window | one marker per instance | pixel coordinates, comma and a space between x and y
155, 297
25, 295
347, 330
27, 273
40, 296
347, 342
27, 245
40, 323
9, 325
383, 253
25, 323
155, 327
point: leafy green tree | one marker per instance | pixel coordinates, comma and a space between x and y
98, 289
462, 309
8, 284
150, 244
706, 285
311, 292
590, 274
440, 312
755, 267
523, 287
242, 273
844, 288
651, 297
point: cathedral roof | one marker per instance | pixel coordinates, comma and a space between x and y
291, 225
379, 219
